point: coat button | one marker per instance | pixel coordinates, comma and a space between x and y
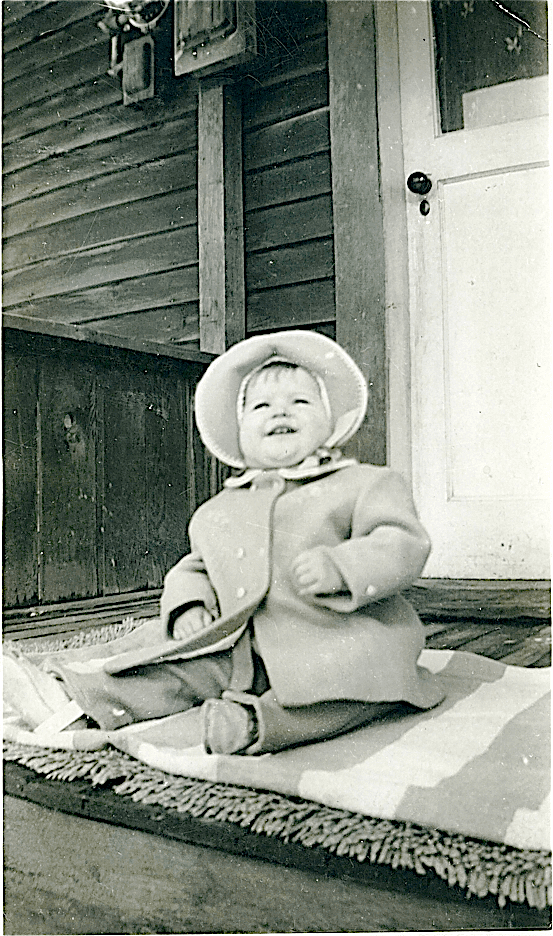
240, 552
240, 592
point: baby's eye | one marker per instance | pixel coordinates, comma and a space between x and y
301, 400
260, 405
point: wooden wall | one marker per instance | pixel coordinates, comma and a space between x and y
287, 179
99, 199
103, 468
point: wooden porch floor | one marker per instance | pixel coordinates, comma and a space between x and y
520, 642
80, 860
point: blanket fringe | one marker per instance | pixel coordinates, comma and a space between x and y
99, 634
479, 868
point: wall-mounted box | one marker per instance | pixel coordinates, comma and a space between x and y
213, 36
138, 70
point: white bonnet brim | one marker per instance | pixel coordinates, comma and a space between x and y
218, 390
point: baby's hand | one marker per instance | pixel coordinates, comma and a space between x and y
315, 574
191, 622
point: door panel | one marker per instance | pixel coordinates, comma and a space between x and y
491, 384
478, 283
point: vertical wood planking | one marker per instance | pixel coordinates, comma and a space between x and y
20, 466
194, 447
125, 529
68, 479
220, 218
151, 470
205, 473
39, 479
358, 232
99, 434
103, 469
167, 493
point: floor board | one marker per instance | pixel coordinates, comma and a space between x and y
520, 643
478, 598
65, 874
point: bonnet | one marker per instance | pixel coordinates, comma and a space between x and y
218, 390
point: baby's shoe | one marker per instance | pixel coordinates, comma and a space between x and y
228, 727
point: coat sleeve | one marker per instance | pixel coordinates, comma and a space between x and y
387, 548
186, 584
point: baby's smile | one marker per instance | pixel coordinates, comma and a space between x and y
283, 429
284, 419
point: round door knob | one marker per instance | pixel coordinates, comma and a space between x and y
419, 183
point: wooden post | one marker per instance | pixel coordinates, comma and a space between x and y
220, 218
358, 230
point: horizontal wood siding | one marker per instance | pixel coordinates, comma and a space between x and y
100, 200
103, 469
287, 178
100, 216
26, 20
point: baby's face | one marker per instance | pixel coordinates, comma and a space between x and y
284, 419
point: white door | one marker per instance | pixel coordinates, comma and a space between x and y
479, 313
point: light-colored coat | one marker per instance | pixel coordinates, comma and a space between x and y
362, 644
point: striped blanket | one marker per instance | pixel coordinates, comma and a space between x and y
477, 765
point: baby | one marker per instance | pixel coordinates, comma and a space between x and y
284, 622
282, 420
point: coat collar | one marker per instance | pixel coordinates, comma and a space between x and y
321, 463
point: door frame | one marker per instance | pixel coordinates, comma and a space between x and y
357, 209
396, 256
